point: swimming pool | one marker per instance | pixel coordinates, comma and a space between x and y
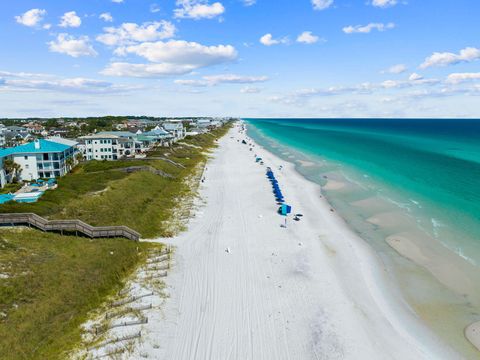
29, 197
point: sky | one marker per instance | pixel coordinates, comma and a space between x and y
245, 58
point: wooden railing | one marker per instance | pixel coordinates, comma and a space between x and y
77, 226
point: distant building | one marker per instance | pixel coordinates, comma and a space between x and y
3, 139
16, 135
39, 158
34, 128
114, 145
159, 136
105, 147
176, 129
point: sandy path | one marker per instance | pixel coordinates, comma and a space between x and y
311, 291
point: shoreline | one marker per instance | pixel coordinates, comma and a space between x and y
312, 290
455, 273
378, 270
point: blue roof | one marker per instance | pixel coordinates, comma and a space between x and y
45, 146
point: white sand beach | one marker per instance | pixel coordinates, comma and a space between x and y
242, 286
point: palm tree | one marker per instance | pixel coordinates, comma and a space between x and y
79, 157
12, 170
70, 162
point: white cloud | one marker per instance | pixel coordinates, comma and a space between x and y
391, 84
298, 97
183, 52
28, 81
130, 33
123, 69
322, 4
198, 9
268, 40
396, 69
213, 80
154, 8
249, 2
307, 38
173, 57
70, 19
457, 78
72, 46
250, 90
107, 17
118, 1
468, 54
384, 3
32, 17
367, 28
415, 77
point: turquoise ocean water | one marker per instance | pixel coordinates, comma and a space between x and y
420, 177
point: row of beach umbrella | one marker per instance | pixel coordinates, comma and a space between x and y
276, 188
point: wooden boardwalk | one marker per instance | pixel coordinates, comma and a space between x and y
76, 226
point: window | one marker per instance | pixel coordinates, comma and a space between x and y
26, 157
27, 166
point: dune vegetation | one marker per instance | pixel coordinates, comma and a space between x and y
50, 283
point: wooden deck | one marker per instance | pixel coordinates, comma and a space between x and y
76, 226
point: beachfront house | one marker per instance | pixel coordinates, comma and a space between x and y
159, 136
176, 129
113, 145
39, 159
106, 147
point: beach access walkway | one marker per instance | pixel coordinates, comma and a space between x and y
74, 226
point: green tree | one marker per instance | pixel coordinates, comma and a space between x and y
70, 162
12, 170
79, 157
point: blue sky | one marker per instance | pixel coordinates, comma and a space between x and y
263, 58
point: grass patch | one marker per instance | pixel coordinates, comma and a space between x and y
10, 188
97, 193
49, 285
